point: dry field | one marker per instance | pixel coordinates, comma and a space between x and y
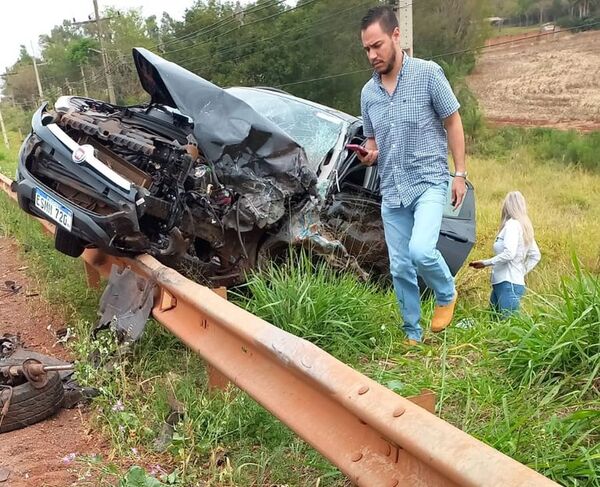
551, 81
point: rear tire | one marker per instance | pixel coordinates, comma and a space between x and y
67, 243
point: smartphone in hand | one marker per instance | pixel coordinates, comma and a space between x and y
357, 148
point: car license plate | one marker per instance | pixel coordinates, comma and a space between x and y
59, 213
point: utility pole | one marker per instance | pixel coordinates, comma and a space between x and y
37, 74
111, 90
85, 90
404, 13
4, 132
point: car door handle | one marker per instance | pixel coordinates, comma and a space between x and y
454, 236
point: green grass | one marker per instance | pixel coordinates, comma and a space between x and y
559, 345
478, 373
564, 207
333, 310
136, 391
8, 156
527, 386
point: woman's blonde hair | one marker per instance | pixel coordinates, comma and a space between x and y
514, 206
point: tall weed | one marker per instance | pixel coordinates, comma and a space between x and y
559, 343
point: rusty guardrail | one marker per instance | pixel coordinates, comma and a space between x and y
373, 435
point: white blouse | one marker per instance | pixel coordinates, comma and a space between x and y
512, 260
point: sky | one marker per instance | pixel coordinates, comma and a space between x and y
23, 21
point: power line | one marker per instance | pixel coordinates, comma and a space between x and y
478, 48
93, 80
221, 23
324, 77
262, 19
463, 51
303, 28
97, 77
206, 57
119, 62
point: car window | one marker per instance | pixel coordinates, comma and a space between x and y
315, 130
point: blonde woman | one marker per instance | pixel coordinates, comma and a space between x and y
516, 253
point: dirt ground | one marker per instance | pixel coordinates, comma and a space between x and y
552, 81
35, 455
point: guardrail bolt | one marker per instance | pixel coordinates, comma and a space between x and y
363, 390
398, 412
357, 456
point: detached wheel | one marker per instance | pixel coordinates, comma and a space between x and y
28, 405
67, 243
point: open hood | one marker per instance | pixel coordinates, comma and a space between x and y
227, 129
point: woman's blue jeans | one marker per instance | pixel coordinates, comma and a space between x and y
506, 297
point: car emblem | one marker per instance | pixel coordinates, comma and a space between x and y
79, 155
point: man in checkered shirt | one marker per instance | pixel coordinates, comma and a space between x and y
411, 117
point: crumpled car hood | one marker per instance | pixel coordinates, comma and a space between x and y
228, 130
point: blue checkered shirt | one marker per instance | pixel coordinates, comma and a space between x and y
408, 129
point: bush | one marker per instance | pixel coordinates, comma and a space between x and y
567, 147
470, 112
471, 115
587, 23
16, 119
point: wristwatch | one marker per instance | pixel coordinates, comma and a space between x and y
461, 174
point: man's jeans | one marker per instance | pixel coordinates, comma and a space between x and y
411, 235
506, 298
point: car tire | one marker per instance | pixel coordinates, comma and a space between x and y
67, 243
29, 405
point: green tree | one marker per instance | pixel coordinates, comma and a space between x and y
447, 26
311, 49
19, 80
83, 51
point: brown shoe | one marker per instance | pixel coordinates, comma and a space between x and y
411, 343
442, 316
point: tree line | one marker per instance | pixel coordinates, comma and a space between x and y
311, 49
265, 43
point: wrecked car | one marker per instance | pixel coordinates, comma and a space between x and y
210, 179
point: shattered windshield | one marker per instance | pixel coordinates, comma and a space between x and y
314, 129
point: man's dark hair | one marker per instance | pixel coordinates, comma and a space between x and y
383, 14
